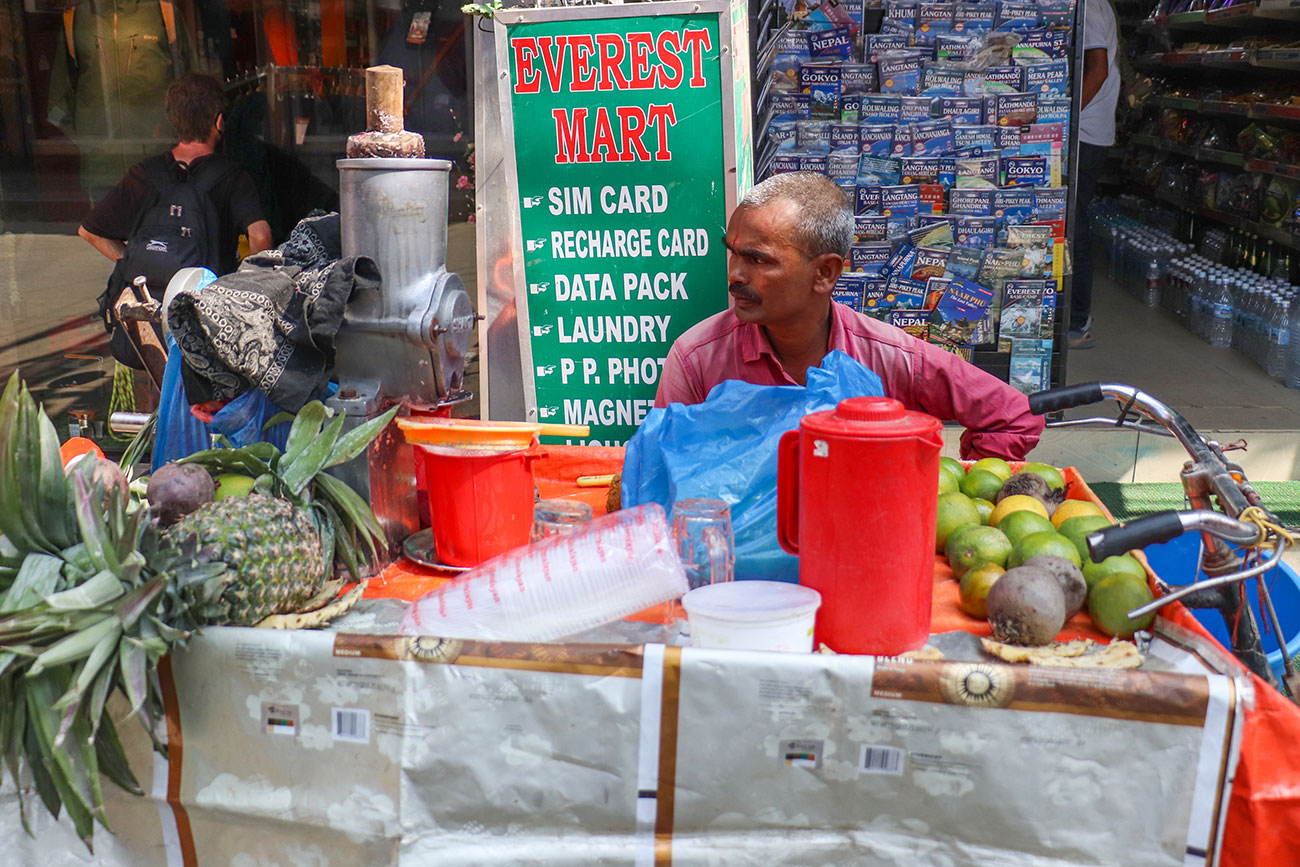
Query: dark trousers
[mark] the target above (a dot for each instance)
(1090, 159)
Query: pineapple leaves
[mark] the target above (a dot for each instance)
(15, 486)
(59, 525)
(354, 511)
(306, 428)
(38, 577)
(354, 442)
(303, 465)
(112, 758)
(136, 448)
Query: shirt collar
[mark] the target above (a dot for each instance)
(754, 343)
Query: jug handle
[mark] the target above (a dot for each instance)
(787, 492)
(720, 559)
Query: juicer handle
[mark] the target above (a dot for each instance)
(787, 492)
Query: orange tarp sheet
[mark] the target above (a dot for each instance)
(1263, 826)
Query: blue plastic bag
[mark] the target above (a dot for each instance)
(178, 433)
(726, 448)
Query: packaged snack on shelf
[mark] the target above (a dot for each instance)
(1031, 364)
(1279, 203)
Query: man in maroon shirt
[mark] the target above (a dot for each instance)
(786, 244)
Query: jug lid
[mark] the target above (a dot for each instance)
(871, 417)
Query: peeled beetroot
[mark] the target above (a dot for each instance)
(175, 490)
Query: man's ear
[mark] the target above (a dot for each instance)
(827, 269)
(220, 122)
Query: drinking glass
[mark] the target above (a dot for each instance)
(557, 517)
(702, 531)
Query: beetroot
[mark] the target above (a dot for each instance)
(175, 490)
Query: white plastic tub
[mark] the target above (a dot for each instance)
(753, 615)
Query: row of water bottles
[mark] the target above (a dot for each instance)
(1227, 307)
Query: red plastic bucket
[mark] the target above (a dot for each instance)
(480, 502)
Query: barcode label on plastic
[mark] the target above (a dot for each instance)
(352, 724)
(878, 759)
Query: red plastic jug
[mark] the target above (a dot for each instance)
(857, 488)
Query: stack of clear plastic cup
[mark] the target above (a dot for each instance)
(612, 567)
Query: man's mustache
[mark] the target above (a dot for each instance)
(743, 292)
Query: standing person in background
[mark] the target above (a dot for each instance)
(1096, 133)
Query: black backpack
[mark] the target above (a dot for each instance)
(179, 229)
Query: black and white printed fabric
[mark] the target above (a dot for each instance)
(271, 324)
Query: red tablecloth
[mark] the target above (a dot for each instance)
(1263, 826)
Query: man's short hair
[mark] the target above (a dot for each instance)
(192, 105)
(824, 223)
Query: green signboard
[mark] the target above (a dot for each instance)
(622, 138)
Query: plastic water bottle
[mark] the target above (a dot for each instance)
(1292, 379)
(1152, 296)
(1219, 313)
(1279, 340)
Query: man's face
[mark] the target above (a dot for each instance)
(771, 280)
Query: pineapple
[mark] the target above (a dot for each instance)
(93, 594)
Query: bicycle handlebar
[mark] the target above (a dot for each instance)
(1065, 397)
(1163, 526)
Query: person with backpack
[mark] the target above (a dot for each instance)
(186, 207)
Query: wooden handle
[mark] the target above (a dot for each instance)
(384, 99)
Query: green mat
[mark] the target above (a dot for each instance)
(1129, 501)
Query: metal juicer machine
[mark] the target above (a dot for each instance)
(404, 343)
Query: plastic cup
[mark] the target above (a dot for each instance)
(705, 544)
(557, 517)
(607, 569)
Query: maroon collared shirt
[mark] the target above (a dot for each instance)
(924, 377)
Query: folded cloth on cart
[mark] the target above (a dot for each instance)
(725, 448)
(271, 324)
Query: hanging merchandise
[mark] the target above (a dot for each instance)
(953, 115)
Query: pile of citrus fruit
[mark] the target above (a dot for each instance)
(991, 519)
